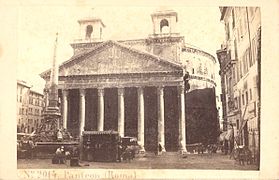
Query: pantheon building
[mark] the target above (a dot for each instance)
(136, 87)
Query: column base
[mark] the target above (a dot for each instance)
(183, 151)
(161, 148)
(141, 149)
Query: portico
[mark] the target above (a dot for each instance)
(94, 89)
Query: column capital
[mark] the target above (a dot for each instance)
(101, 91)
(65, 92)
(160, 90)
(82, 92)
(121, 91)
(181, 89)
(140, 89)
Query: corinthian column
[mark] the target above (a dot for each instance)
(161, 119)
(182, 131)
(121, 111)
(65, 107)
(81, 111)
(141, 119)
(100, 110)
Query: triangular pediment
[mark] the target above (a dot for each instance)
(114, 58)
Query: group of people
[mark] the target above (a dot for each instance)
(26, 146)
(61, 156)
(125, 153)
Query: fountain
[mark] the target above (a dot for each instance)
(49, 136)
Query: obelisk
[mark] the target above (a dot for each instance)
(52, 113)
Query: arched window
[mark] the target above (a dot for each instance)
(164, 26)
(89, 30)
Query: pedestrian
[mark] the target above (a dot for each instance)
(59, 155)
(119, 152)
(74, 157)
(32, 146)
(59, 136)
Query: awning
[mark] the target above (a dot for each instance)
(242, 125)
(243, 121)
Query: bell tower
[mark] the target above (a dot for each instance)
(165, 40)
(164, 23)
(91, 29)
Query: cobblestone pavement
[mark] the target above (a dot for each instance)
(169, 160)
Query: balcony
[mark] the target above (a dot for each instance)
(225, 59)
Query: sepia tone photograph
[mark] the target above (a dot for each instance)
(104, 89)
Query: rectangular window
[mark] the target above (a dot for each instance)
(246, 97)
(245, 61)
(251, 94)
(233, 17)
(240, 68)
(255, 50)
(245, 24)
(228, 31)
(233, 74)
(244, 64)
(235, 49)
(250, 57)
(238, 35)
(239, 101)
(230, 86)
(236, 103)
(237, 71)
(243, 100)
(240, 27)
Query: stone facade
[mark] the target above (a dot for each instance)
(133, 86)
(30, 106)
(239, 59)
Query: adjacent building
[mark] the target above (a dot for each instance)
(30, 106)
(240, 60)
(137, 86)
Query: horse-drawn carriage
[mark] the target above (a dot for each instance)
(107, 146)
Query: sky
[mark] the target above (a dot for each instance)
(37, 26)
